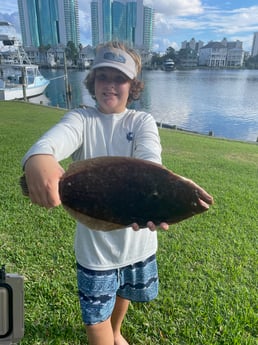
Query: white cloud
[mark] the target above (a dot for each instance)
(85, 21)
(85, 27)
(84, 5)
(176, 21)
(161, 45)
(209, 24)
(176, 7)
(8, 7)
(233, 21)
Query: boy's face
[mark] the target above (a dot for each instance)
(111, 90)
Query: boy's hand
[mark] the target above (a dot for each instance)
(163, 226)
(42, 176)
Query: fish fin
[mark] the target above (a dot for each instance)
(93, 223)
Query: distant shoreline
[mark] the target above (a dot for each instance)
(210, 133)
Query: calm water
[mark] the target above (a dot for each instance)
(225, 102)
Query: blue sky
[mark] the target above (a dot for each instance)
(179, 20)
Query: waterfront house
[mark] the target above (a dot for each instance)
(213, 54)
(221, 54)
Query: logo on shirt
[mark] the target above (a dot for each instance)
(130, 136)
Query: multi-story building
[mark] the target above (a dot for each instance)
(213, 54)
(189, 53)
(49, 22)
(148, 28)
(255, 45)
(192, 44)
(124, 20)
(222, 54)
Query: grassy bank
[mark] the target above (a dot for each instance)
(208, 264)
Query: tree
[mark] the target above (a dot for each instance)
(156, 60)
(170, 53)
(71, 52)
(252, 62)
(43, 52)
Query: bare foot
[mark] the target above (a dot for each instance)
(120, 340)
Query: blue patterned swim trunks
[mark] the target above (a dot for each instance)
(98, 289)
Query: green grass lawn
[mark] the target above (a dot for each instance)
(207, 264)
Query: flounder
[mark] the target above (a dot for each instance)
(107, 193)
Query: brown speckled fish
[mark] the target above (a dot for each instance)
(108, 193)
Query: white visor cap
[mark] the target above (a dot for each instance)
(115, 58)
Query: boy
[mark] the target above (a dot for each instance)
(118, 266)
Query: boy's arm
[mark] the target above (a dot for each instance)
(42, 176)
(40, 163)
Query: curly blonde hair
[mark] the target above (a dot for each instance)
(136, 87)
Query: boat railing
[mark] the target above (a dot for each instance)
(11, 85)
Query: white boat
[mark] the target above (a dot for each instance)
(19, 79)
(21, 82)
(168, 65)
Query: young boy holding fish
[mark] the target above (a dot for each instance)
(116, 267)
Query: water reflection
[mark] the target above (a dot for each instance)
(224, 102)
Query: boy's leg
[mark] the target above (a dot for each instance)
(109, 331)
(117, 318)
(100, 334)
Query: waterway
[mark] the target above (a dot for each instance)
(224, 102)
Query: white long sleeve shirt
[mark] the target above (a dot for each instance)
(86, 133)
